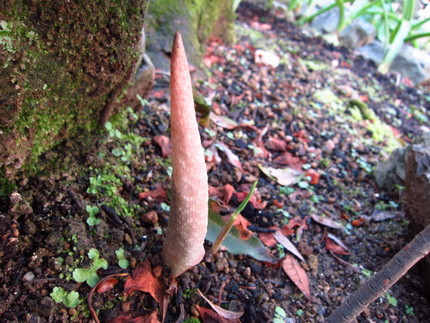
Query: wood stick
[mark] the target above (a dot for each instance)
(390, 273)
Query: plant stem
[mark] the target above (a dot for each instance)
(226, 229)
(390, 273)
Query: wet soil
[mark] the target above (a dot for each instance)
(300, 114)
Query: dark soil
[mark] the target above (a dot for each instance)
(45, 235)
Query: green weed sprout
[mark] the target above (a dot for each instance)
(69, 299)
(92, 211)
(89, 275)
(122, 261)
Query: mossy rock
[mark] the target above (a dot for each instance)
(196, 20)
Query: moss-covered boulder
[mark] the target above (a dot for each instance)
(63, 64)
(196, 20)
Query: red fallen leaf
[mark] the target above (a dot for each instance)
(142, 279)
(164, 143)
(276, 144)
(299, 222)
(107, 285)
(279, 204)
(241, 225)
(210, 316)
(158, 193)
(358, 222)
(223, 193)
(158, 94)
(314, 175)
(297, 274)
(260, 26)
(256, 203)
(149, 318)
(301, 135)
(345, 64)
(289, 160)
(268, 237)
(223, 313)
(258, 142)
(332, 246)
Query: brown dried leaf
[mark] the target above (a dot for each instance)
(165, 144)
(158, 193)
(284, 176)
(210, 316)
(283, 240)
(232, 158)
(106, 285)
(297, 274)
(326, 221)
(149, 318)
(142, 279)
(229, 315)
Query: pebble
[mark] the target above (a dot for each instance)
(28, 277)
(127, 239)
(150, 217)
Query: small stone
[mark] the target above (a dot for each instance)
(72, 311)
(128, 239)
(150, 217)
(250, 178)
(126, 306)
(247, 272)
(28, 277)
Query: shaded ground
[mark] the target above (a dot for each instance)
(302, 114)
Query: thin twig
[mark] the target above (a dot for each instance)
(390, 273)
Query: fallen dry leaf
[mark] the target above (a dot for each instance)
(106, 285)
(223, 193)
(142, 279)
(149, 318)
(288, 159)
(159, 194)
(224, 122)
(314, 175)
(326, 221)
(164, 143)
(256, 203)
(230, 315)
(297, 275)
(276, 144)
(210, 316)
(284, 176)
(333, 245)
(283, 240)
(232, 158)
(241, 224)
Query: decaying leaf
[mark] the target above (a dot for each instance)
(210, 316)
(233, 243)
(232, 158)
(241, 224)
(336, 245)
(164, 143)
(283, 240)
(230, 315)
(297, 274)
(158, 193)
(314, 176)
(283, 176)
(288, 159)
(224, 122)
(106, 285)
(326, 221)
(142, 279)
(149, 318)
(223, 193)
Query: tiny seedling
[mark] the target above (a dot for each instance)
(122, 261)
(391, 299)
(280, 315)
(69, 299)
(89, 275)
(92, 211)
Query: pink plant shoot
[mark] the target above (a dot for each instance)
(186, 231)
